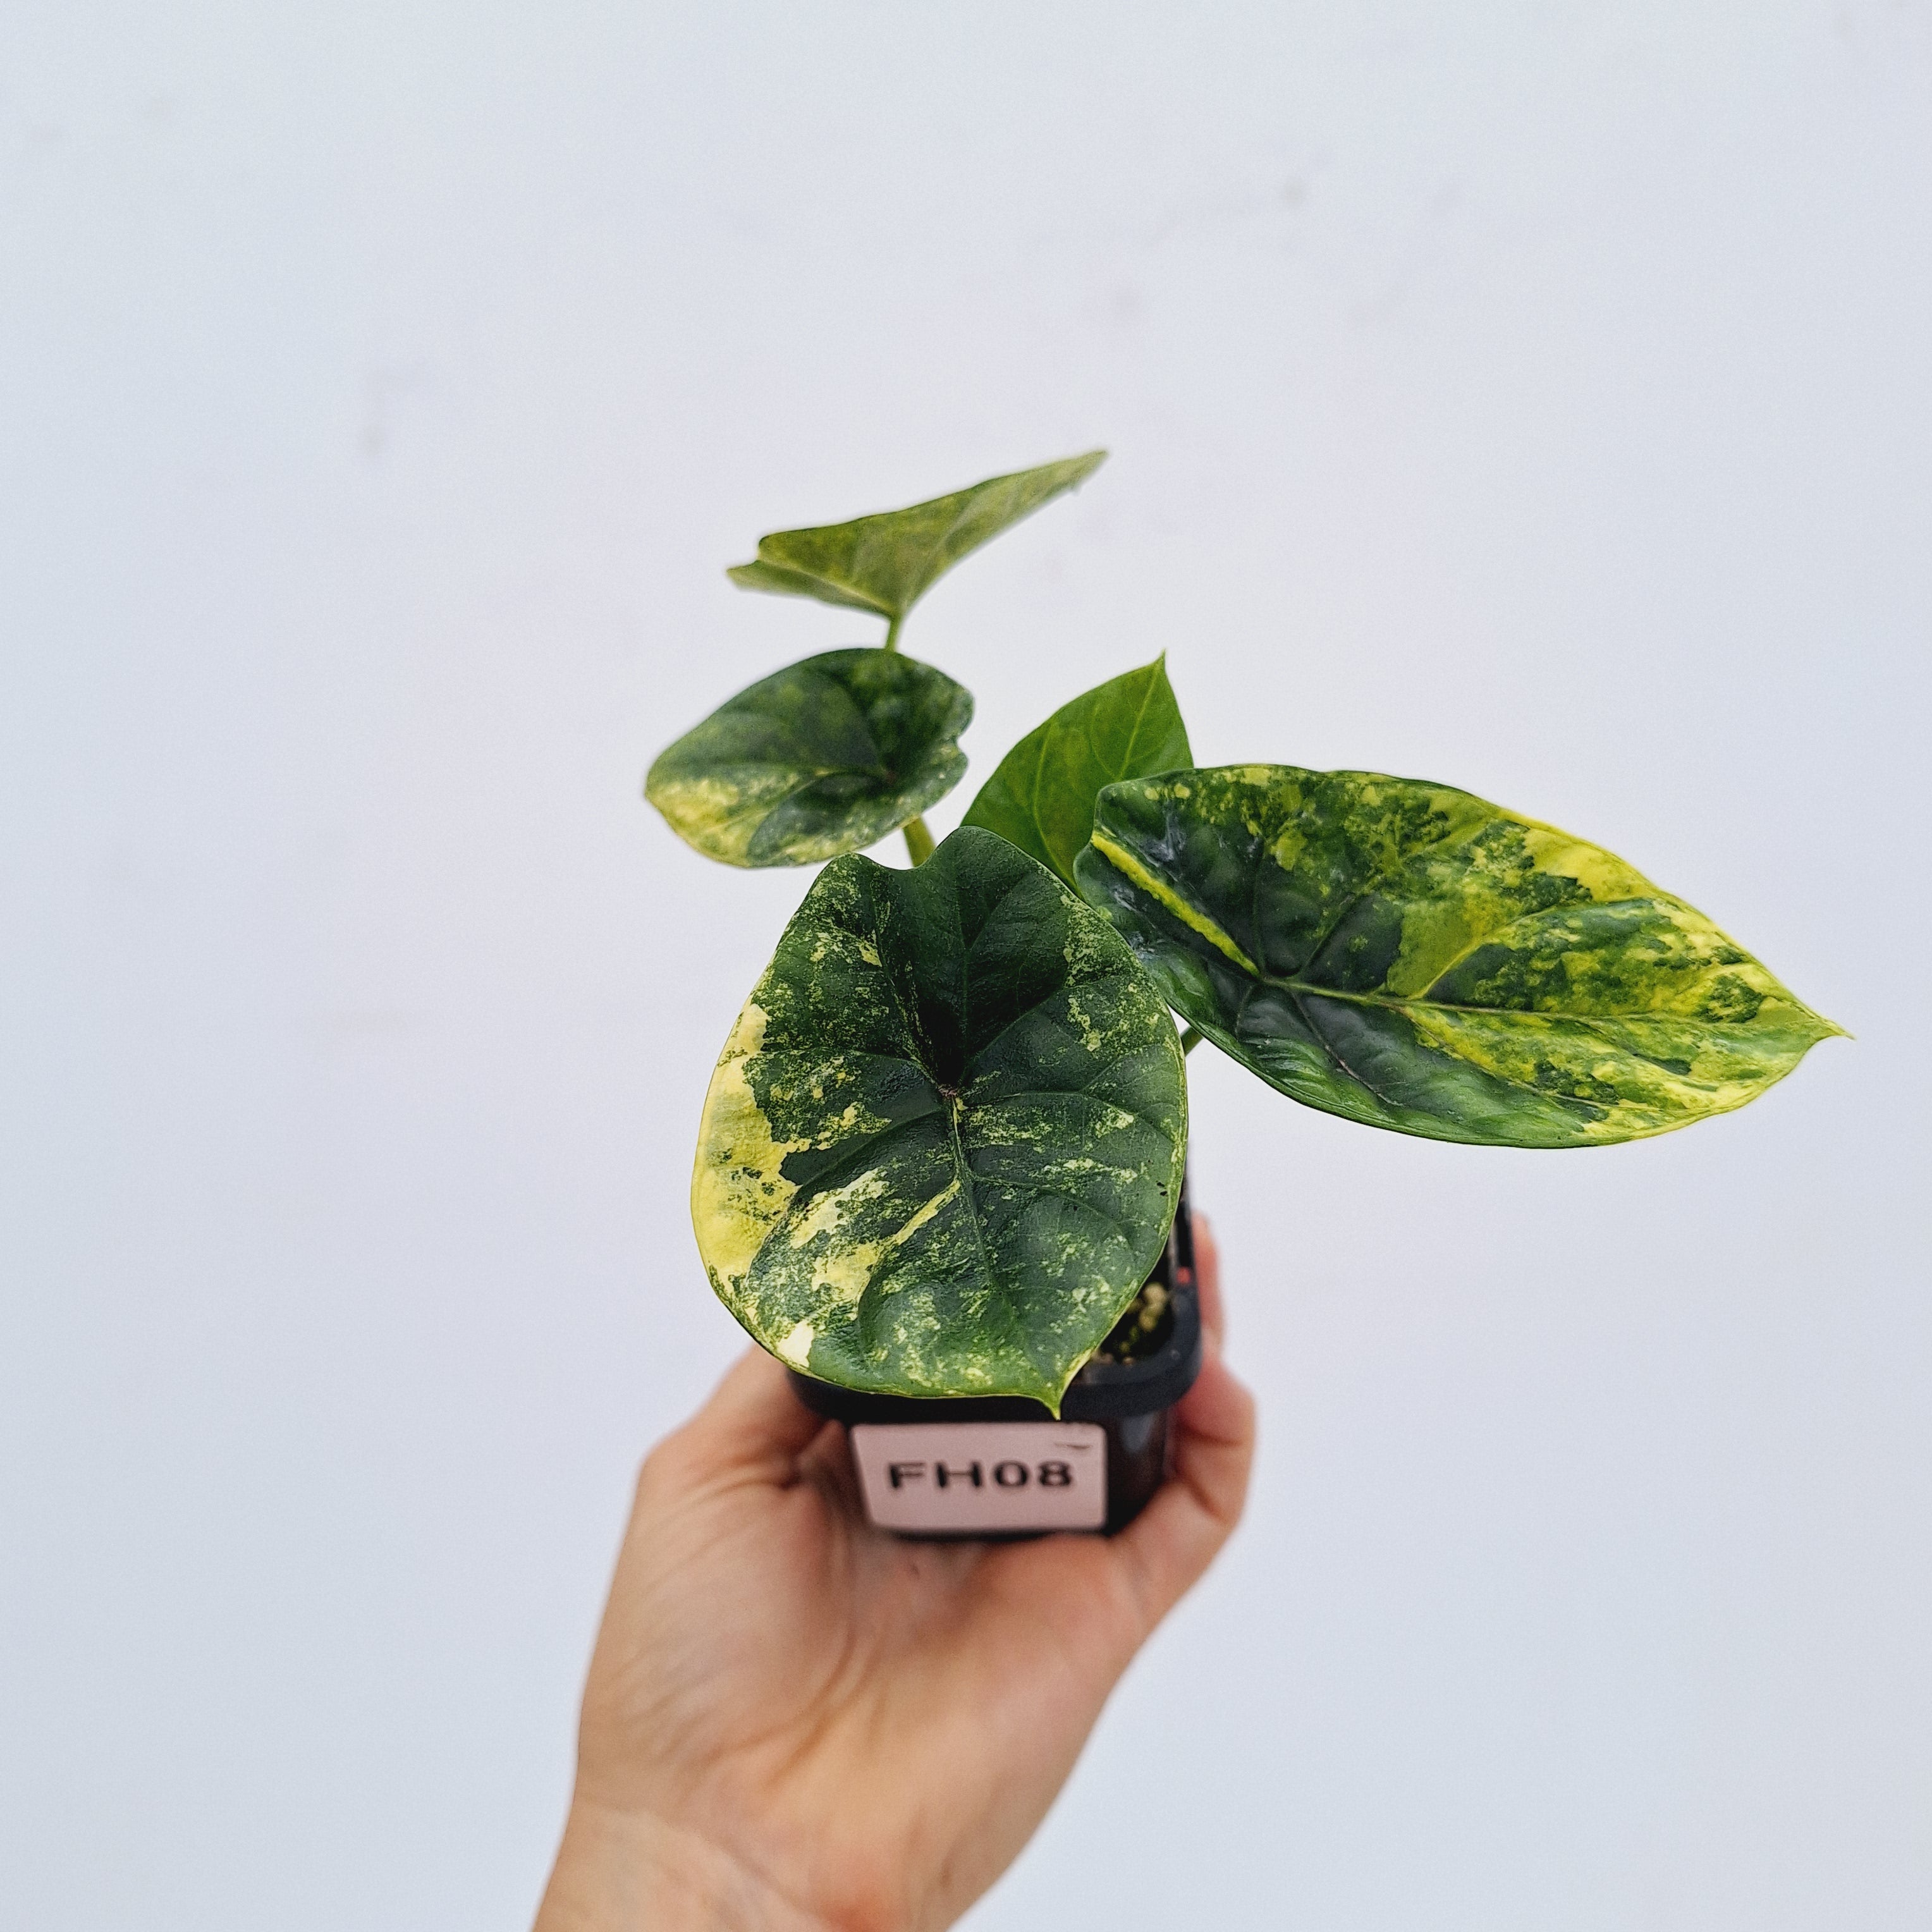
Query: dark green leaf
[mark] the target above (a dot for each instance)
(1409, 956)
(823, 757)
(887, 563)
(1042, 797)
(942, 1147)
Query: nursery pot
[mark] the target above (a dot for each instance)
(1000, 1466)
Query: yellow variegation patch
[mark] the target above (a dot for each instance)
(739, 1189)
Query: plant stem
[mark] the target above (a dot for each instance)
(1190, 1040)
(893, 632)
(919, 841)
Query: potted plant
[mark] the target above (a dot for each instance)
(940, 1169)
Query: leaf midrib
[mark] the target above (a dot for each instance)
(1298, 989)
(1217, 936)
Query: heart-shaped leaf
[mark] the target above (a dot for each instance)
(887, 563)
(944, 1144)
(1410, 956)
(824, 757)
(1042, 797)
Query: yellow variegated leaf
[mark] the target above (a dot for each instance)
(942, 1147)
(824, 757)
(887, 563)
(1412, 957)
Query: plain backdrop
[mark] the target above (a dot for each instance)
(1531, 397)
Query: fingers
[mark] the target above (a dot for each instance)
(1166, 1548)
(753, 1422)
(1207, 1281)
(827, 1462)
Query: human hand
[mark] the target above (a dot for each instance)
(795, 1723)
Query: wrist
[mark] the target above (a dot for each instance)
(623, 1872)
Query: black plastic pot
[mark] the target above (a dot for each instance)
(994, 1467)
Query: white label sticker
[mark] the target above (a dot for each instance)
(965, 1477)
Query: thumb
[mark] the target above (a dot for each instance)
(753, 1425)
(1167, 1546)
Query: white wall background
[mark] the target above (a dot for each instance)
(1532, 397)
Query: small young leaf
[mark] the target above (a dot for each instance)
(944, 1144)
(1411, 957)
(825, 757)
(1042, 797)
(887, 563)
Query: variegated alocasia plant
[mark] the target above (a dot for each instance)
(943, 1145)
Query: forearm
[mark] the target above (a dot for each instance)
(616, 1872)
